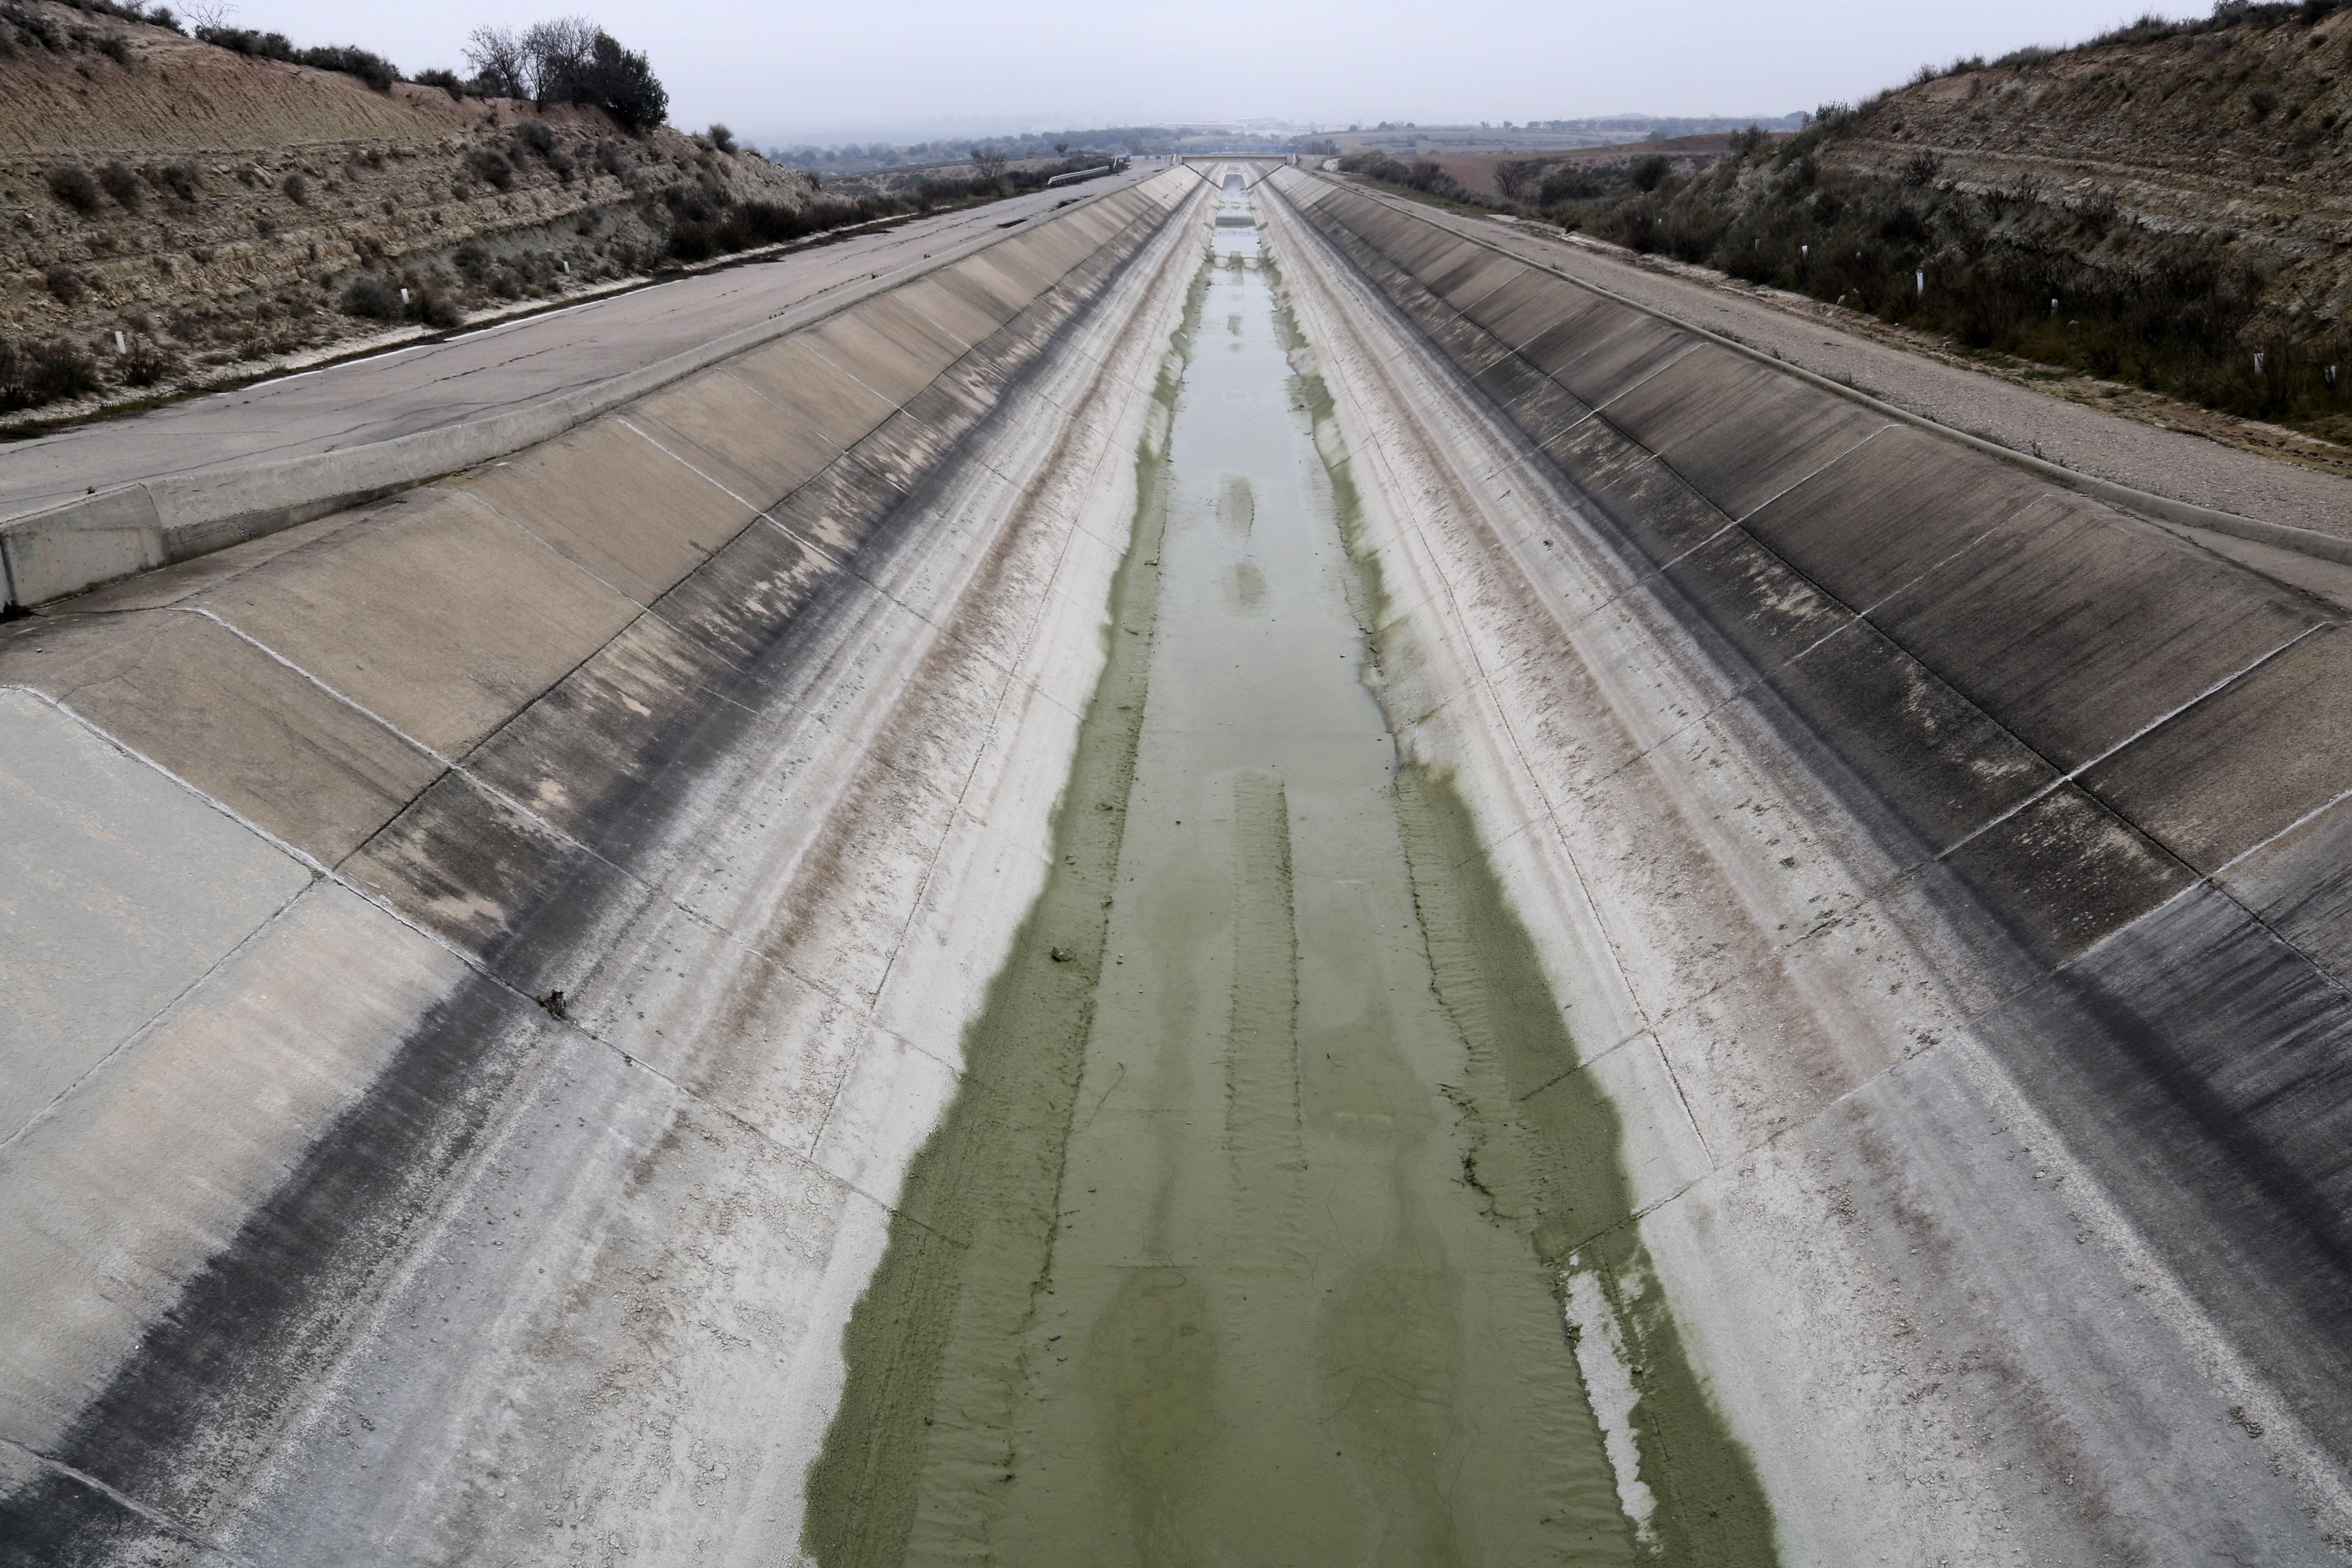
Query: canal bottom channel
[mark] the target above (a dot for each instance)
(1272, 1223)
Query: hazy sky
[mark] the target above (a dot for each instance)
(831, 69)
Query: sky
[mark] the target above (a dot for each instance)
(832, 71)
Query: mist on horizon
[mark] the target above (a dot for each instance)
(913, 70)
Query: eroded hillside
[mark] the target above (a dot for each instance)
(2243, 132)
(224, 212)
(2166, 208)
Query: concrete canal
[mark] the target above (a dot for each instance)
(1273, 1222)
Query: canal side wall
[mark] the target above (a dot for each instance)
(128, 529)
(2083, 785)
(478, 962)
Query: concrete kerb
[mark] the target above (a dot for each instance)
(128, 528)
(2164, 509)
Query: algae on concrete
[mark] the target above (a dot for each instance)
(1249, 1237)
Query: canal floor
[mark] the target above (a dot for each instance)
(1251, 1266)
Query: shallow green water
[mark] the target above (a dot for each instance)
(1246, 1242)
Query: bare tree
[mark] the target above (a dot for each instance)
(568, 60)
(990, 162)
(558, 55)
(496, 58)
(1516, 178)
(207, 13)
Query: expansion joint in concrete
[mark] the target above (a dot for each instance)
(177, 1529)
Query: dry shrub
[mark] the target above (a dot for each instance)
(120, 183)
(492, 167)
(35, 374)
(72, 184)
(371, 296)
(183, 180)
(146, 363)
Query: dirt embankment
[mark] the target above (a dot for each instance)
(224, 213)
(2243, 133)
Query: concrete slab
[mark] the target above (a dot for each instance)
(1885, 514)
(1935, 761)
(2209, 1064)
(1760, 609)
(1531, 400)
(868, 351)
(812, 389)
(2078, 628)
(1649, 506)
(1470, 282)
(2300, 885)
(119, 890)
(227, 1093)
(496, 882)
(836, 510)
(1740, 432)
(725, 428)
(436, 615)
(1599, 353)
(642, 713)
(1527, 304)
(2243, 764)
(746, 598)
(237, 725)
(610, 498)
(945, 313)
(2065, 873)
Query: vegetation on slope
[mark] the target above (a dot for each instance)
(176, 210)
(2161, 207)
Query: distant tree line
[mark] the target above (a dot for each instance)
(853, 158)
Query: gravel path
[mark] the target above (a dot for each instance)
(2167, 462)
